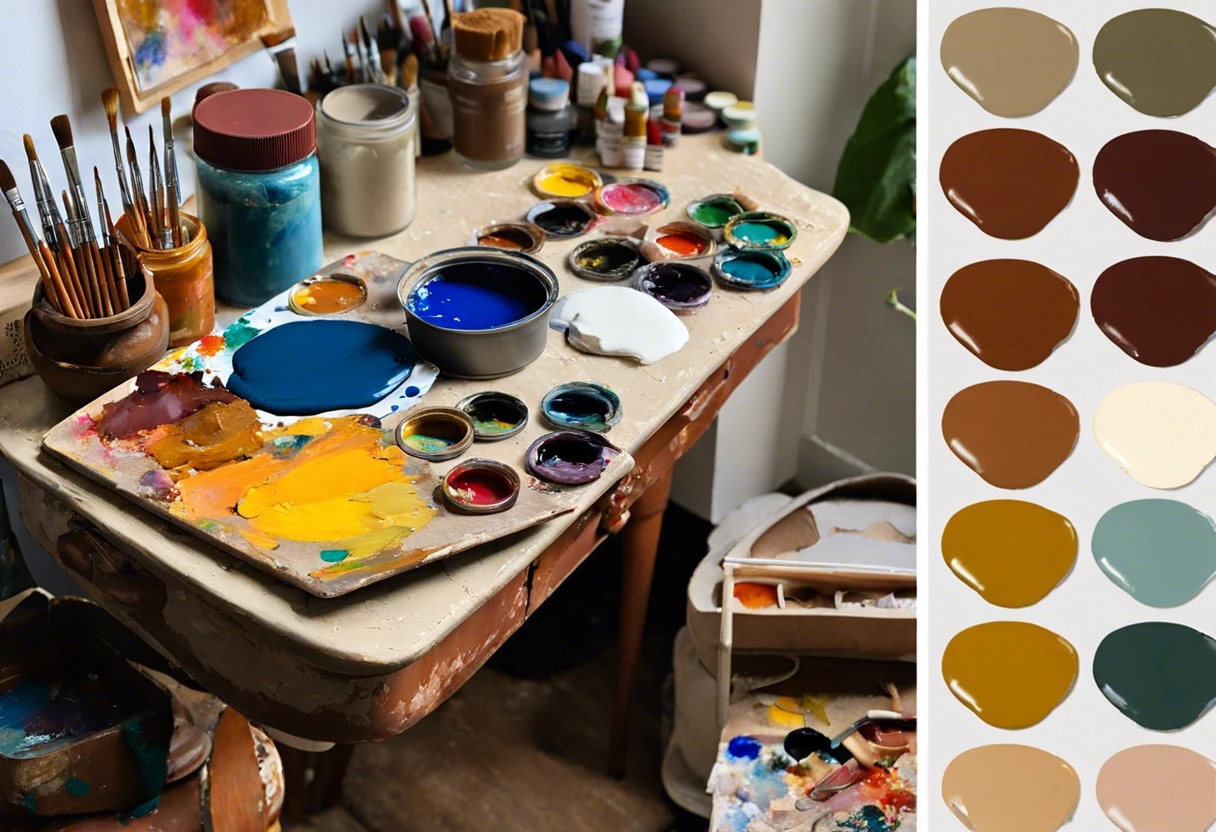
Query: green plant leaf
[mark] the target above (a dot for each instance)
(876, 178)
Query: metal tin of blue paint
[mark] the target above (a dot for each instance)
(752, 270)
(582, 405)
(760, 230)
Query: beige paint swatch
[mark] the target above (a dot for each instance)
(1182, 797)
(1012, 788)
(1013, 62)
(1162, 434)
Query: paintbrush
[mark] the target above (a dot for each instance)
(349, 49)
(424, 40)
(173, 187)
(52, 284)
(109, 100)
(137, 188)
(373, 53)
(48, 212)
(360, 54)
(119, 269)
(430, 21)
(84, 264)
(86, 239)
(281, 46)
(156, 193)
(107, 245)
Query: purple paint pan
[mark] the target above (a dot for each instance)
(681, 287)
(570, 457)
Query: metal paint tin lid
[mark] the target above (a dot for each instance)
(254, 129)
(481, 486)
(714, 211)
(510, 236)
(306, 297)
(562, 218)
(681, 287)
(435, 433)
(606, 259)
(632, 197)
(582, 405)
(570, 457)
(751, 270)
(549, 94)
(761, 230)
(719, 100)
(495, 415)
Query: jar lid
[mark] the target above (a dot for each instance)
(548, 93)
(254, 130)
(367, 105)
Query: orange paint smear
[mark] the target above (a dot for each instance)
(685, 245)
(210, 345)
(219, 433)
(756, 596)
(326, 297)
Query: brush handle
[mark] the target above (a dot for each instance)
(71, 266)
(109, 292)
(27, 234)
(52, 271)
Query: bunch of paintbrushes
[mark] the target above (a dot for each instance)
(154, 217)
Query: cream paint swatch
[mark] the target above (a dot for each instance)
(1182, 796)
(1013, 62)
(1162, 434)
(1011, 788)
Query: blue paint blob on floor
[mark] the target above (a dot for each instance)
(77, 787)
(744, 748)
(478, 296)
(308, 367)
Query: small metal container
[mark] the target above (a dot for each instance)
(606, 259)
(495, 415)
(778, 233)
(523, 237)
(562, 218)
(681, 287)
(570, 457)
(498, 491)
(435, 433)
(582, 405)
(299, 303)
(480, 353)
(751, 269)
(714, 211)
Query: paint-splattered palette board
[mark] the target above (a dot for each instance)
(328, 503)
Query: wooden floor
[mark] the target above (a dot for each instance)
(522, 746)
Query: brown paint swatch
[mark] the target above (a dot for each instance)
(1011, 552)
(1009, 673)
(1159, 310)
(1013, 62)
(1012, 433)
(1161, 62)
(1009, 182)
(1182, 797)
(1160, 183)
(1011, 788)
(1011, 314)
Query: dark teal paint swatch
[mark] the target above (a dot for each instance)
(1160, 675)
(1160, 552)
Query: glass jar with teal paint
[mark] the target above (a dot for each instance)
(259, 191)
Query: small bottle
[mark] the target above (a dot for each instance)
(654, 146)
(633, 153)
(550, 118)
(673, 112)
(612, 133)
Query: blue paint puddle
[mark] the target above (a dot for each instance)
(307, 367)
(744, 748)
(478, 296)
(412, 391)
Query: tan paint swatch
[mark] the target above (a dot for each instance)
(1181, 798)
(1162, 62)
(1009, 673)
(1162, 434)
(1013, 62)
(1009, 551)
(1011, 788)
(1011, 433)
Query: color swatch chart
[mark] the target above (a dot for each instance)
(1072, 402)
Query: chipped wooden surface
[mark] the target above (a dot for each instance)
(388, 626)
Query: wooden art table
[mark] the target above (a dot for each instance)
(368, 665)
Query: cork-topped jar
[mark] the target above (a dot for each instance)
(259, 191)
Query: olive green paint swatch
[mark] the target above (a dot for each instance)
(1158, 674)
(1162, 62)
(1160, 552)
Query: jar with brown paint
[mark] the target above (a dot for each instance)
(185, 279)
(489, 100)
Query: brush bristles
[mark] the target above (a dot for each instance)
(7, 182)
(62, 128)
(165, 106)
(30, 152)
(488, 34)
(109, 100)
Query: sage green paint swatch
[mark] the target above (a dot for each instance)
(1160, 552)
(1158, 674)
(1161, 62)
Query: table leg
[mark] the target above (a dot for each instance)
(313, 780)
(639, 546)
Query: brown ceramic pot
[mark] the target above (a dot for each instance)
(80, 360)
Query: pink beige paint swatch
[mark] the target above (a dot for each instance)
(1159, 788)
(1012, 62)
(1162, 434)
(1011, 788)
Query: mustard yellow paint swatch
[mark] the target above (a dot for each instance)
(1010, 551)
(1009, 673)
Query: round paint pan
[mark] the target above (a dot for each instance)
(760, 230)
(330, 294)
(606, 259)
(510, 236)
(582, 405)
(481, 486)
(739, 114)
(697, 118)
(719, 100)
(562, 218)
(714, 211)
(751, 270)
(632, 198)
(681, 240)
(495, 415)
(570, 457)
(435, 433)
(565, 180)
(681, 287)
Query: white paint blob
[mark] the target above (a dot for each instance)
(618, 320)
(1162, 434)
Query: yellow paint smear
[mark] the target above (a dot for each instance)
(568, 181)
(221, 432)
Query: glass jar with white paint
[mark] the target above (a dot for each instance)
(366, 142)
